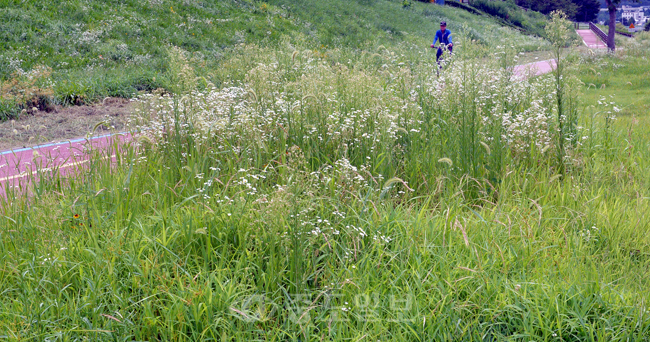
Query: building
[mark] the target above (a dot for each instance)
(638, 13)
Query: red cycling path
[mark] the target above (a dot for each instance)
(19, 166)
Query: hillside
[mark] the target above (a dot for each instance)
(75, 52)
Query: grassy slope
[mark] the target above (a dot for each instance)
(137, 252)
(99, 49)
(627, 82)
(624, 78)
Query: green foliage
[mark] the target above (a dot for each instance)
(625, 82)
(25, 91)
(622, 29)
(261, 231)
(587, 11)
(307, 193)
(9, 109)
(547, 6)
(508, 11)
(557, 32)
(497, 8)
(463, 6)
(90, 43)
(577, 10)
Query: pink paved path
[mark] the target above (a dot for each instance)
(18, 166)
(535, 69)
(591, 39)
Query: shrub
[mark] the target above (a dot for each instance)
(463, 6)
(531, 21)
(621, 28)
(496, 8)
(25, 90)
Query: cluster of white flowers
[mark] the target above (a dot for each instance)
(590, 234)
(293, 108)
(337, 105)
(350, 109)
(609, 106)
(91, 37)
(523, 108)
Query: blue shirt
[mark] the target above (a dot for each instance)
(444, 38)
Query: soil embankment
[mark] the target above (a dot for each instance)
(64, 123)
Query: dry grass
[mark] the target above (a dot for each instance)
(63, 123)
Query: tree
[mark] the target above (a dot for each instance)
(578, 10)
(569, 7)
(587, 10)
(611, 8)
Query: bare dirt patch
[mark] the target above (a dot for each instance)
(63, 123)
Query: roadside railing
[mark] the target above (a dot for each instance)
(598, 32)
(581, 26)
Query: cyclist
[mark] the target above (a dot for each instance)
(444, 36)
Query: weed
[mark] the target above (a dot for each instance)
(25, 91)
(342, 194)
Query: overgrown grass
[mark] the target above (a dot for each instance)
(342, 194)
(623, 79)
(97, 48)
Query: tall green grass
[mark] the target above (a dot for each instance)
(619, 79)
(340, 195)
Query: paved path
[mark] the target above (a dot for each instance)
(18, 167)
(591, 39)
(535, 69)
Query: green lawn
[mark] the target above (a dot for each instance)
(627, 81)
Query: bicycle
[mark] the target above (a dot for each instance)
(442, 48)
